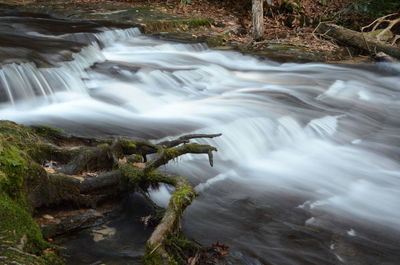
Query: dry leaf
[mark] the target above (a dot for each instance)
(221, 248)
(139, 165)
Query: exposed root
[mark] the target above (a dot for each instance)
(53, 169)
(170, 225)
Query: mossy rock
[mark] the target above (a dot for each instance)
(21, 240)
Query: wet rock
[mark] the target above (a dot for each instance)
(102, 233)
(72, 221)
(383, 57)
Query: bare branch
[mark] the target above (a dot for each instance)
(171, 153)
(378, 21)
(186, 138)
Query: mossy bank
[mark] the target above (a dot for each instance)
(21, 240)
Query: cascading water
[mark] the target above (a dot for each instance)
(24, 81)
(307, 170)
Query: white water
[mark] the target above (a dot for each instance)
(24, 81)
(309, 149)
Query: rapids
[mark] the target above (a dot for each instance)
(307, 169)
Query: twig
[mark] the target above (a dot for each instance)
(185, 139)
(379, 20)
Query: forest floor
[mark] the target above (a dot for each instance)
(289, 29)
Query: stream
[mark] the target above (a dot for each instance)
(308, 166)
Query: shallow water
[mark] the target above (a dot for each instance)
(307, 170)
(121, 240)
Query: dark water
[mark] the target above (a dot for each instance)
(121, 240)
(307, 170)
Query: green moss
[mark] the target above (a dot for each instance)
(134, 174)
(152, 256)
(18, 228)
(15, 256)
(196, 148)
(19, 174)
(176, 250)
(199, 22)
(14, 166)
(182, 197)
(42, 152)
(48, 130)
(143, 178)
(53, 190)
(172, 261)
(128, 144)
(171, 153)
(53, 259)
(25, 139)
(180, 248)
(216, 41)
(135, 158)
(8, 128)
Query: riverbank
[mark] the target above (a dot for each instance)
(194, 23)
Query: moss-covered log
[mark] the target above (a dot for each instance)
(45, 167)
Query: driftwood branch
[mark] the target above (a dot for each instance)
(186, 138)
(171, 153)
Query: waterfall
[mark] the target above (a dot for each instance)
(25, 81)
(103, 38)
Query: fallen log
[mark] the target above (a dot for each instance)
(356, 39)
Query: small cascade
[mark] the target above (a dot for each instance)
(110, 36)
(103, 38)
(87, 57)
(25, 81)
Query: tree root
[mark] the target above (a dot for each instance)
(83, 172)
(170, 225)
